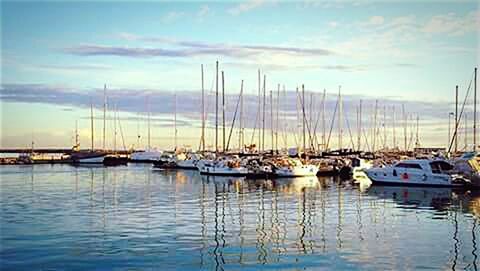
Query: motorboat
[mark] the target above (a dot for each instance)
(468, 165)
(167, 160)
(187, 161)
(417, 173)
(148, 156)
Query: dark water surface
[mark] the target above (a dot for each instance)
(132, 218)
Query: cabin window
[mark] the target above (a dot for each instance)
(408, 165)
(439, 166)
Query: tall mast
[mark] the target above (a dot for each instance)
(375, 126)
(115, 112)
(310, 125)
(277, 121)
(394, 128)
(303, 118)
(175, 119)
(203, 114)
(359, 138)
(223, 110)
(339, 119)
(323, 120)
(475, 111)
(456, 118)
(91, 123)
(77, 142)
(271, 120)
(404, 128)
(241, 137)
(263, 119)
(148, 121)
(138, 133)
(417, 142)
(465, 130)
(284, 120)
(259, 109)
(384, 127)
(104, 113)
(216, 108)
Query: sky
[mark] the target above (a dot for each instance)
(57, 56)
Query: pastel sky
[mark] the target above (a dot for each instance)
(56, 57)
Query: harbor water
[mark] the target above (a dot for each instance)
(60, 217)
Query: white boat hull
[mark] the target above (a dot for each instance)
(93, 160)
(296, 171)
(386, 176)
(223, 171)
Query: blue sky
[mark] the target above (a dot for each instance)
(410, 51)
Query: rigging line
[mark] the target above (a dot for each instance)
(234, 117)
(316, 123)
(121, 130)
(207, 106)
(460, 117)
(348, 126)
(331, 125)
(306, 123)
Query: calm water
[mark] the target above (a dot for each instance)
(95, 218)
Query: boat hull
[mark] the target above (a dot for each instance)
(223, 171)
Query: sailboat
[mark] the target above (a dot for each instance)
(91, 156)
(149, 155)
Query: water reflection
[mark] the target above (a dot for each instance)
(136, 218)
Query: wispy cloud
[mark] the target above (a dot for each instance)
(172, 16)
(189, 49)
(246, 6)
(188, 102)
(452, 24)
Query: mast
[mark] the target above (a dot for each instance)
(271, 120)
(310, 125)
(259, 109)
(241, 132)
(148, 121)
(138, 132)
(475, 111)
(216, 108)
(465, 130)
(91, 123)
(104, 113)
(277, 121)
(175, 118)
(394, 128)
(203, 113)
(359, 139)
(223, 110)
(375, 126)
(77, 141)
(115, 112)
(303, 118)
(339, 119)
(323, 120)
(384, 127)
(456, 118)
(263, 119)
(417, 142)
(404, 128)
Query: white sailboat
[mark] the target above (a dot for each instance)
(149, 155)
